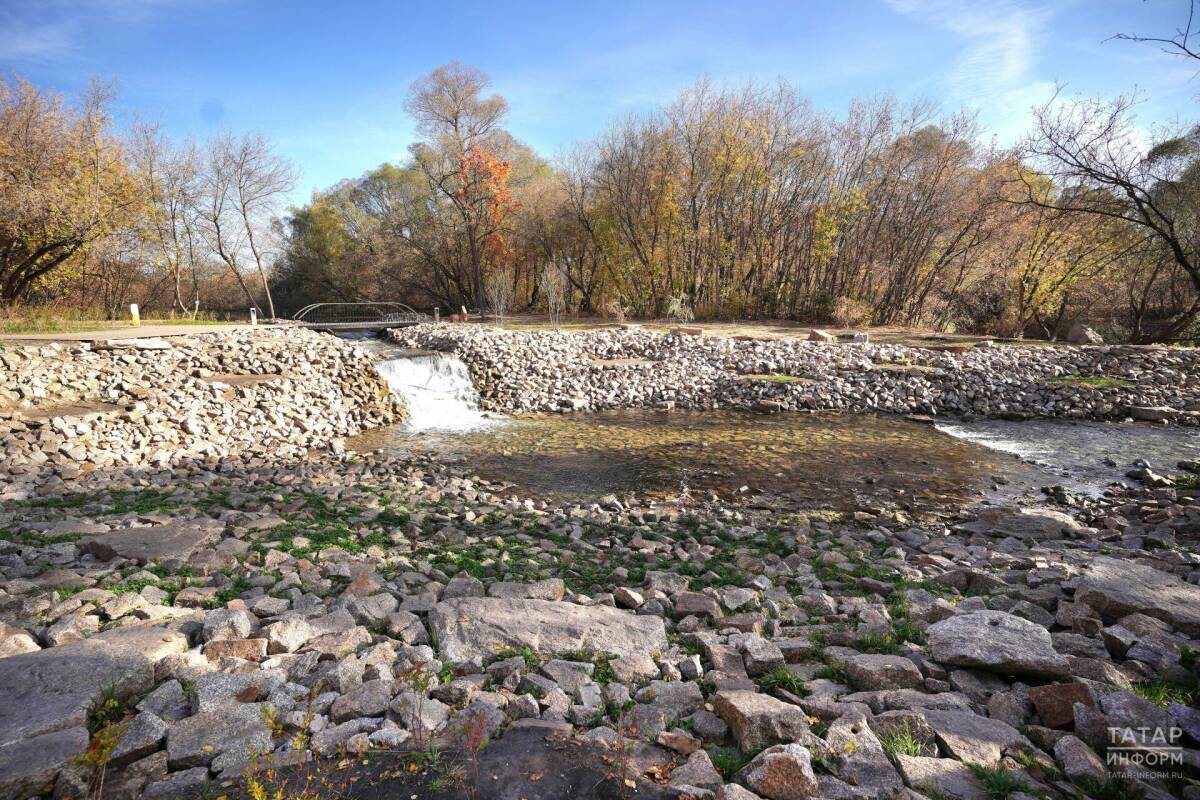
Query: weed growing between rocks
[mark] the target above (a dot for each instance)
(998, 783)
(902, 741)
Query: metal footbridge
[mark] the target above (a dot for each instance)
(357, 316)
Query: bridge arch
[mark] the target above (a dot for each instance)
(358, 315)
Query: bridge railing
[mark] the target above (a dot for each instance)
(349, 315)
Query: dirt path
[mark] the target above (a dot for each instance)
(141, 332)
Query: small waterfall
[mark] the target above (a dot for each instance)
(437, 390)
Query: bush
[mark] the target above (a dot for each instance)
(679, 309)
(850, 312)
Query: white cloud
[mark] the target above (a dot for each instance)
(26, 36)
(995, 72)
(45, 30)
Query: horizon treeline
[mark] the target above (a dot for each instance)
(728, 202)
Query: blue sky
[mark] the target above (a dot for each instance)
(326, 81)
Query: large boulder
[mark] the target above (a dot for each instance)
(997, 642)
(29, 767)
(224, 738)
(1034, 523)
(1082, 334)
(45, 697)
(782, 772)
(974, 739)
(173, 543)
(942, 777)
(873, 671)
(1116, 588)
(469, 629)
(758, 720)
(53, 689)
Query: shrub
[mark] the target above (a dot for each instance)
(850, 312)
(679, 309)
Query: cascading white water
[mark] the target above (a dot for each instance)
(437, 390)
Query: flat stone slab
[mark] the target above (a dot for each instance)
(1115, 587)
(68, 411)
(997, 642)
(225, 737)
(950, 778)
(175, 542)
(28, 768)
(621, 362)
(1022, 523)
(52, 689)
(142, 343)
(468, 629)
(239, 379)
(973, 739)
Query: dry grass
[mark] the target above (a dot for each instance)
(766, 329)
(16, 320)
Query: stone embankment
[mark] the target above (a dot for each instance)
(615, 368)
(67, 410)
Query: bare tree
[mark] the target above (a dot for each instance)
(1182, 43)
(500, 291)
(261, 180)
(448, 104)
(242, 185)
(552, 284)
(1090, 151)
(168, 176)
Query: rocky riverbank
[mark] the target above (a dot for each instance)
(344, 605)
(70, 410)
(173, 624)
(631, 368)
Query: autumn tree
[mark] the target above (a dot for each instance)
(460, 159)
(168, 178)
(1090, 151)
(64, 184)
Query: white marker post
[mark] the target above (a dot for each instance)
(254, 316)
(134, 315)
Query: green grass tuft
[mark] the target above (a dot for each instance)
(729, 760)
(997, 782)
(902, 742)
(1162, 691)
(782, 678)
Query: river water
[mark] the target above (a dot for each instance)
(815, 460)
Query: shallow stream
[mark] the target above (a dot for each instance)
(813, 460)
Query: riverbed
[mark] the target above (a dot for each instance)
(840, 461)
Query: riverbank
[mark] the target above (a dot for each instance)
(384, 604)
(630, 368)
(189, 620)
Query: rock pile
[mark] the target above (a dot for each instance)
(66, 410)
(627, 368)
(183, 607)
(387, 604)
